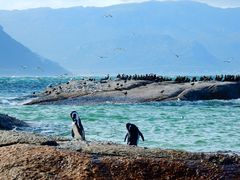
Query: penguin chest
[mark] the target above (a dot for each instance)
(76, 132)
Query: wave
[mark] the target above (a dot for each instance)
(7, 101)
(14, 101)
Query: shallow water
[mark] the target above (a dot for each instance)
(193, 126)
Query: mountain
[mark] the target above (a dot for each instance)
(17, 60)
(161, 37)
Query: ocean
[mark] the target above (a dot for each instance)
(201, 126)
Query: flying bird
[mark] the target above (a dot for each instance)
(175, 54)
(24, 67)
(39, 68)
(103, 57)
(108, 16)
(228, 60)
(119, 49)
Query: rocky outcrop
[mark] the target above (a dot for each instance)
(9, 123)
(223, 91)
(135, 91)
(97, 160)
(13, 137)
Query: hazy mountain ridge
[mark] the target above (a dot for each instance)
(161, 37)
(18, 60)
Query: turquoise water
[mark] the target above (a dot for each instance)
(193, 126)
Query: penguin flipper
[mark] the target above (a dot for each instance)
(141, 135)
(83, 135)
(72, 134)
(125, 137)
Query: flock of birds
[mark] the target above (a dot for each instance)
(179, 79)
(178, 56)
(38, 68)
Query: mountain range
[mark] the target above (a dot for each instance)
(18, 60)
(151, 37)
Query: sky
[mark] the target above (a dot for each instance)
(26, 4)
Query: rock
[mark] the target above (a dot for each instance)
(138, 91)
(9, 123)
(223, 90)
(26, 158)
(15, 137)
(44, 162)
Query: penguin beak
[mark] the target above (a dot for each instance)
(74, 120)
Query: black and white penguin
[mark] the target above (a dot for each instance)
(133, 134)
(77, 129)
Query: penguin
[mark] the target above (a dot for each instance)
(77, 129)
(133, 134)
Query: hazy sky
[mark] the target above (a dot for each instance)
(25, 4)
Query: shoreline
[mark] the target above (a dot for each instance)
(28, 155)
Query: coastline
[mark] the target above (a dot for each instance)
(42, 157)
(27, 155)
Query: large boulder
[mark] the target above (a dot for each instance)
(204, 91)
(9, 123)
